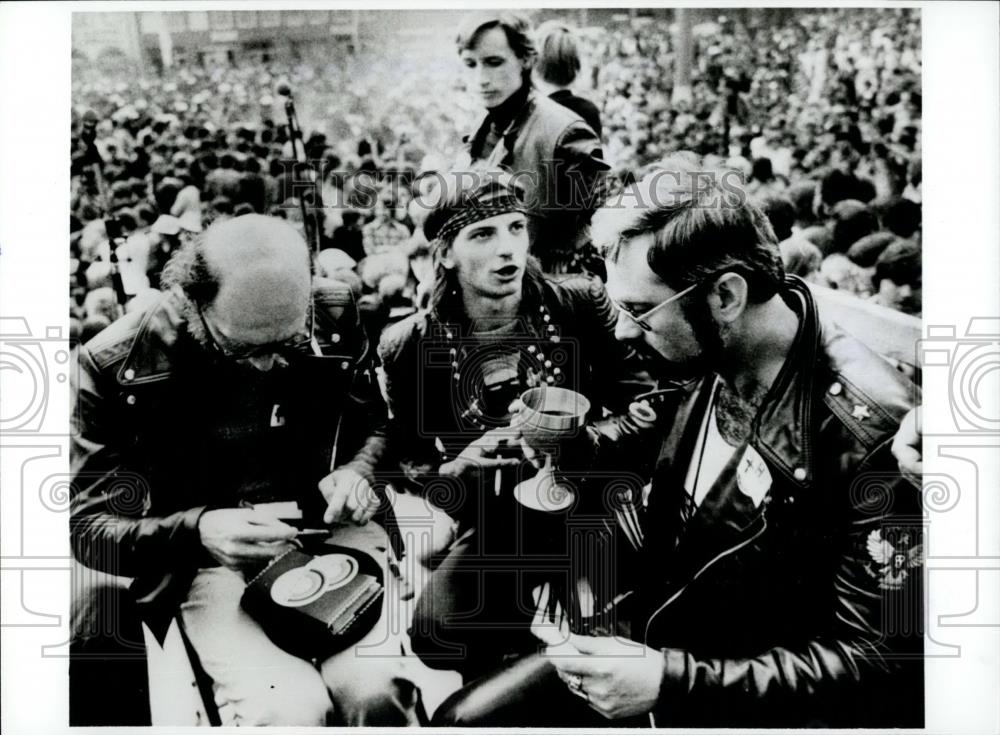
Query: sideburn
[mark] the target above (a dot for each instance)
(707, 332)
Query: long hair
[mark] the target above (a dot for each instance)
(458, 193)
(446, 304)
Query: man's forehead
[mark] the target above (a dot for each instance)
(492, 41)
(629, 275)
(261, 298)
(497, 220)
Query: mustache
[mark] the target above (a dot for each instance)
(663, 370)
(661, 367)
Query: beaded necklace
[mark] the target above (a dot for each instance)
(536, 359)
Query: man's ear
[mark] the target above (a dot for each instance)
(728, 298)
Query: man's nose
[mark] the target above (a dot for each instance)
(626, 329)
(506, 244)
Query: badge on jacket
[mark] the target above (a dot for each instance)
(894, 560)
(277, 416)
(752, 476)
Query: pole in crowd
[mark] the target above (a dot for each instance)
(112, 225)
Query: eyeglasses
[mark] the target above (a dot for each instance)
(292, 344)
(641, 319)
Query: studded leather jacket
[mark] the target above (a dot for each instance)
(570, 329)
(792, 595)
(163, 431)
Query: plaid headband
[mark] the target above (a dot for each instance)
(477, 211)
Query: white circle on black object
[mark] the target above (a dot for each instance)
(297, 587)
(336, 569)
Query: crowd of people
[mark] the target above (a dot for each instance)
(819, 111)
(534, 311)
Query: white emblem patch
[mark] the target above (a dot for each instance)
(894, 562)
(861, 412)
(752, 476)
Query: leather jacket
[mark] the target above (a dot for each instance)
(156, 443)
(796, 602)
(426, 415)
(789, 603)
(557, 159)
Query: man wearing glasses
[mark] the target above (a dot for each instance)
(782, 579)
(250, 382)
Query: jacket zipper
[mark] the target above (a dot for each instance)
(678, 593)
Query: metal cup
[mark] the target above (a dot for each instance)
(551, 414)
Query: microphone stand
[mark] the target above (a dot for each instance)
(388, 517)
(112, 225)
(299, 153)
(313, 232)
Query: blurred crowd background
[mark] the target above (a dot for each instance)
(818, 109)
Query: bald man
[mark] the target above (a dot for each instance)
(243, 385)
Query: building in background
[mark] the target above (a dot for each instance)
(161, 39)
(106, 36)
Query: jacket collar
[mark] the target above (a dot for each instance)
(782, 430)
(148, 359)
(508, 117)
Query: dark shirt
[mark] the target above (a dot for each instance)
(245, 418)
(581, 106)
(499, 119)
(502, 115)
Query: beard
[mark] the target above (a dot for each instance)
(708, 335)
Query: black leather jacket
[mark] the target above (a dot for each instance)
(804, 609)
(154, 443)
(425, 407)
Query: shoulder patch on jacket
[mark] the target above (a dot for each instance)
(114, 342)
(859, 413)
(863, 391)
(869, 403)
